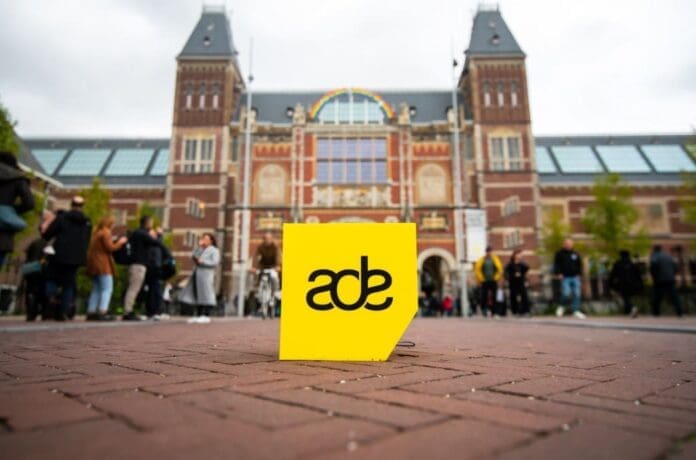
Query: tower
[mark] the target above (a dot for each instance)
(494, 84)
(207, 91)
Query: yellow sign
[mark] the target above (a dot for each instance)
(349, 290)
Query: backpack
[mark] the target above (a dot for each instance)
(168, 268)
(124, 255)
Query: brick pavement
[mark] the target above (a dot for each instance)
(468, 389)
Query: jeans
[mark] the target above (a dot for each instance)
(61, 277)
(488, 291)
(570, 291)
(153, 301)
(102, 287)
(519, 300)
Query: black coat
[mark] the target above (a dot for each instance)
(140, 243)
(72, 231)
(13, 186)
(516, 273)
(625, 277)
(663, 269)
(567, 263)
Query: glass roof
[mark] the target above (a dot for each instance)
(668, 158)
(576, 159)
(622, 159)
(544, 162)
(84, 162)
(129, 162)
(49, 159)
(159, 167)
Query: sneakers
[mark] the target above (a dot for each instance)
(580, 315)
(199, 320)
(131, 316)
(560, 311)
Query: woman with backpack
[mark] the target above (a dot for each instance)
(100, 266)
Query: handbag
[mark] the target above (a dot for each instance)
(10, 220)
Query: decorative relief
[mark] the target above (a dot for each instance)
(432, 184)
(391, 220)
(271, 185)
(269, 222)
(351, 197)
(431, 149)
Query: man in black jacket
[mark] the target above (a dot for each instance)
(664, 274)
(70, 232)
(140, 243)
(13, 184)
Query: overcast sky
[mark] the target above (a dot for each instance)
(107, 67)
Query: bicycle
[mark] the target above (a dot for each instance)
(264, 295)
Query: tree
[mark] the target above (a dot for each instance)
(611, 219)
(554, 230)
(687, 200)
(8, 138)
(96, 201)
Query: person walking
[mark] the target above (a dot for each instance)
(100, 267)
(516, 276)
(625, 279)
(15, 196)
(567, 266)
(488, 270)
(200, 289)
(140, 243)
(663, 270)
(70, 232)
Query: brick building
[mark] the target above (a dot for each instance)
(360, 155)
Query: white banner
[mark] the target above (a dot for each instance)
(476, 240)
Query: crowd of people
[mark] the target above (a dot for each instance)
(67, 243)
(499, 288)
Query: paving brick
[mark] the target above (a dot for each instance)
(674, 403)
(412, 374)
(471, 409)
(446, 440)
(543, 386)
(359, 408)
(463, 384)
(629, 388)
(593, 441)
(685, 452)
(188, 387)
(682, 391)
(28, 410)
(268, 414)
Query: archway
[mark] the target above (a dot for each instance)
(435, 276)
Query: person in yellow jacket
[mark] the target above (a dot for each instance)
(488, 270)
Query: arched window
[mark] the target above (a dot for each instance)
(188, 94)
(432, 184)
(501, 95)
(271, 183)
(201, 97)
(513, 93)
(351, 106)
(486, 94)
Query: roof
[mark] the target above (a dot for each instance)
(490, 36)
(117, 162)
(638, 158)
(430, 105)
(211, 38)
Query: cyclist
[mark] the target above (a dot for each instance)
(267, 258)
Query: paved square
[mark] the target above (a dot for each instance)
(468, 389)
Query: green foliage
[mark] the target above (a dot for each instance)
(611, 218)
(553, 231)
(32, 218)
(96, 202)
(8, 139)
(687, 200)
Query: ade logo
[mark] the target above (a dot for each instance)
(363, 276)
(349, 290)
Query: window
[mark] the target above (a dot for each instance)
(352, 108)
(511, 206)
(576, 159)
(486, 94)
(651, 217)
(201, 97)
(188, 91)
(85, 162)
(216, 96)
(351, 161)
(129, 162)
(544, 163)
(191, 239)
(159, 167)
(505, 154)
(622, 158)
(513, 94)
(120, 217)
(669, 158)
(49, 159)
(512, 239)
(501, 95)
(195, 208)
(198, 156)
